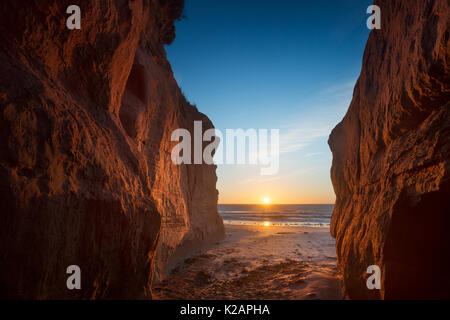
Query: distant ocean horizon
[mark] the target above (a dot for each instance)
(294, 215)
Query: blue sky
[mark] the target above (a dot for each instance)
(283, 64)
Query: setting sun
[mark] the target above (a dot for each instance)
(266, 200)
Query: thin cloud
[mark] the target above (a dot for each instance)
(339, 89)
(291, 174)
(296, 138)
(320, 119)
(312, 154)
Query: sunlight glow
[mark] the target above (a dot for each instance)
(266, 224)
(266, 200)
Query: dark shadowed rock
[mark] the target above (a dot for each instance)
(85, 171)
(391, 156)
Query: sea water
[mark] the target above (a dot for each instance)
(294, 215)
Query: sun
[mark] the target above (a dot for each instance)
(266, 224)
(266, 200)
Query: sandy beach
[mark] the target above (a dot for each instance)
(258, 262)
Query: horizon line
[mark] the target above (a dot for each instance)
(268, 204)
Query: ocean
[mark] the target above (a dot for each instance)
(294, 215)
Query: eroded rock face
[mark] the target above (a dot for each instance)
(85, 171)
(391, 156)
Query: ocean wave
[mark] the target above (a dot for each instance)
(279, 224)
(278, 215)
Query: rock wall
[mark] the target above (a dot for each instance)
(85, 172)
(391, 156)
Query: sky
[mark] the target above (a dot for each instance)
(285, 64)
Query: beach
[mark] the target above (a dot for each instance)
(259, 262)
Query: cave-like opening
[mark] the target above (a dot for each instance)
(417, 249)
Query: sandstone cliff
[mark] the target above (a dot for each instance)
(85, 171)
(391, 158)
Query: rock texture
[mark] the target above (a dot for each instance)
(85, 171)
(391, 158)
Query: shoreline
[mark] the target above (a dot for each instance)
(259, 263)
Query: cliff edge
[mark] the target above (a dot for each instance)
(86, 176)
(391, 158)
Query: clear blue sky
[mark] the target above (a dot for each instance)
(280, 64)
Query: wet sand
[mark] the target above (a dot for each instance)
(257, 262)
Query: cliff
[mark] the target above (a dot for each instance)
(86, 176)
(391, 156)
